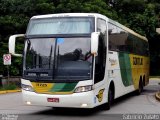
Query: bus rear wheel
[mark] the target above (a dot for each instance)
(140, 89)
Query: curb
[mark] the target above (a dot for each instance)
(9, 91)
(157, 95)
(3, 92)
(152, 78)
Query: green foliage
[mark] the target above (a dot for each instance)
(91, 6)
(140, 15)
(8, 87)
(15, 15)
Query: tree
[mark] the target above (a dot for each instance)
(91, 6)
(15, 15)
(140, 15)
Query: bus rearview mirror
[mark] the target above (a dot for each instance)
(11, 45)
(94, 42)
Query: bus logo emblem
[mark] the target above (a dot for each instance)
(100, 95)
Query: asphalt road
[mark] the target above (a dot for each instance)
(129, 106)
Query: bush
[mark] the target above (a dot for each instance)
(9, 87)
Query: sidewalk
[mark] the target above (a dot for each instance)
(157, 95)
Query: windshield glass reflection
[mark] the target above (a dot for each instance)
(58, 58)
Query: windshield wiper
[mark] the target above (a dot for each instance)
(54, 61)
(50, 56)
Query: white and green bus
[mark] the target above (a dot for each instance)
(80, 60)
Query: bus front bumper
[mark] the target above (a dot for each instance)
(75, 100)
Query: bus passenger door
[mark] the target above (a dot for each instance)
(100, 61)
(100, 64)
(99, 73)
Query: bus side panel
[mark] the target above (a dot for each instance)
(120, 73)
(125, 68)
(140, 69)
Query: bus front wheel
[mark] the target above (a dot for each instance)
(107, 105)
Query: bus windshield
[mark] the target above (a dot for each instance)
(61, 25)
(57, 58)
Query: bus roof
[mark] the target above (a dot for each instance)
(90, 15)
(66, 15)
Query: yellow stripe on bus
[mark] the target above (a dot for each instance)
(140, 68)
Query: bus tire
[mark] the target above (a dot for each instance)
(144, 81)
(107, 105)
(140, 89)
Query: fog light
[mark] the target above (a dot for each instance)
(28, 103)
(84, 105)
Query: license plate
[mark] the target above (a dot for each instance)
(53, 100)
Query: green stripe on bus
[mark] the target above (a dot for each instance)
(125, 68)
(69, 87)
(63, 87)
(57, 87)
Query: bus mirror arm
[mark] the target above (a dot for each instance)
(11, 45)
(94, 42)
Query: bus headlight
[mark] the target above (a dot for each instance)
(83, 89)
(27, 87)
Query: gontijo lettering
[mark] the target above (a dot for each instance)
(137, 61)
